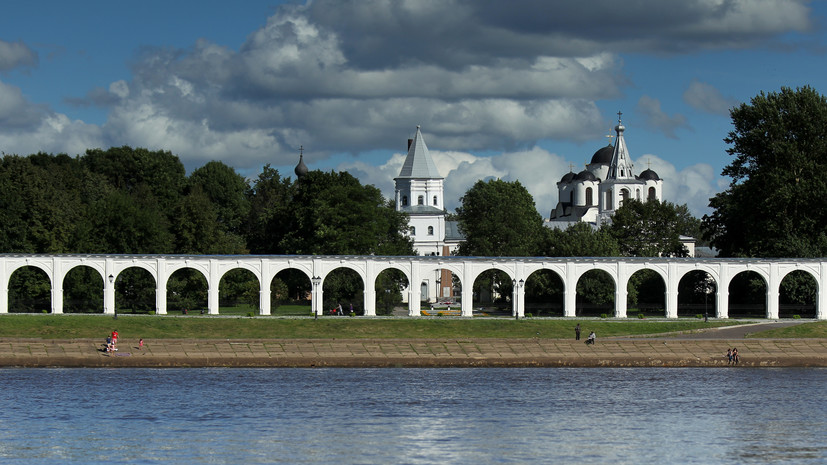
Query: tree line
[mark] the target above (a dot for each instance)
(133, 200)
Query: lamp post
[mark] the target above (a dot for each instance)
(316, 281)
(114, 310)
(438, 289)
(515, 295)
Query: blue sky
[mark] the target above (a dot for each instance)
(517, 90)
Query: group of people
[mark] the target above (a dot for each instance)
(590, 339)
(112, 343)
(338, 310)
(732, 356)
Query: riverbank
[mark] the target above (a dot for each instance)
(539, 352)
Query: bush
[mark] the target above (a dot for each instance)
(440, 314)
(151, 312)
(640, 316)
(250, 314)
(699, 316)
(604, 315)
(529, 315)
(352, 313)
(796, 317)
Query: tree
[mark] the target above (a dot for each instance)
(652, 228)
(499, 219)
(580, 240)
(773, 206)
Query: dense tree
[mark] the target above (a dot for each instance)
(652, 228)
(580, 240)
(772, 207)
(499, 219)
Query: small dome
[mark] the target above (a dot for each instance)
(604, 155)
(301, 168)
(585, 175)
(569, 177)
(649, 175)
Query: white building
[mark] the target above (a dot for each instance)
(420, 194)
(594, 194)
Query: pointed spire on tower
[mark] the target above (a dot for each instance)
(418, 163)
(621, 166)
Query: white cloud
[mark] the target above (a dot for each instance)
(657, 119)
(707, 98)
(16, 55)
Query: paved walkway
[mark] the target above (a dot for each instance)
(706, 349)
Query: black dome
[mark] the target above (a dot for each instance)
(649, 175)
(604, 155)
(301, 168)
(585, 175)
(569, 177)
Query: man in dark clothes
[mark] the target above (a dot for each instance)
(577, 332)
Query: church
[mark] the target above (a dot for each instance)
(593, 195)
(419, 192)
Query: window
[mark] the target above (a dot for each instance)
(430, 230)
(435, 203)
(404, 200)
(588, 196)
(412, 231)
(420, 200)
(652, 193)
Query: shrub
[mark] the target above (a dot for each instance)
(352, 313)
(604, 315)
(640, 316)
(699, 316)
(250, 314)
(796, 317)
(440, 314)
(151, 312)
(529, 315)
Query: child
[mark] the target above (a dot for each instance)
(140, 344)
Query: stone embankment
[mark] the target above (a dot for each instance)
(608, 352)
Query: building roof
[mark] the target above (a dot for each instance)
(604, 155)
(419, 164)
(452, 232)
(421, 210)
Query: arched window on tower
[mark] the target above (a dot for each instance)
(589, 199)
(420, 200)
(435, 202)
(430, 230)
(404, 200)
(653, 195)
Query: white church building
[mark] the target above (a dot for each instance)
(594, 194)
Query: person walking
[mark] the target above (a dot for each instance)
(728, 356)
(734, 356)
(577, 332)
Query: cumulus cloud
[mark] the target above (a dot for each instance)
(658, 120)
(16, 55)
(707, 98)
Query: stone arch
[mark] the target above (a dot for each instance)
(343, 285)
(83, 290)
(697, 291)
(595, 293)
(646, 293)
(239, 291)
(798, 295)
(30, 290)
(389, 286)
(544, 293)
(135, 290)
(747, 295)
(493, 291)
(187, 289)
(291, 292)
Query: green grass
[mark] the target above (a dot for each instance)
(816, 329)
(242, 327)
(281, 310)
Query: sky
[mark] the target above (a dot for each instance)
(522, 90)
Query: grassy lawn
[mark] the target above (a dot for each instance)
(242, 327)
(816, 329)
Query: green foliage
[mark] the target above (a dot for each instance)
(580, 240)
(652, 228)
(499, 219)
(772, 205)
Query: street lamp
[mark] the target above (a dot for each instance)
(514, 282)
(438, 288)
(316, 281)
(114, 310)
